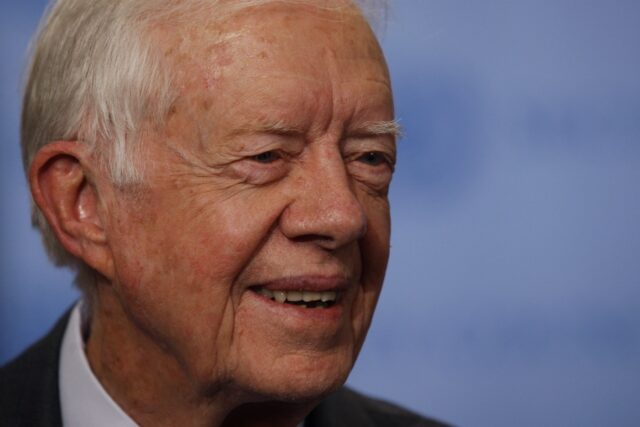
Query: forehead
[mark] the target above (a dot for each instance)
(296, 62)
(342, 29)
(296, 36)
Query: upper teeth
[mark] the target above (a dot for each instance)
(293, 296)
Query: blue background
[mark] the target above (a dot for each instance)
(513, 293)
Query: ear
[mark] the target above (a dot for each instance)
(61, 186)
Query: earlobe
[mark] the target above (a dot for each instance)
(61, 187)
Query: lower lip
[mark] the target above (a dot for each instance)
(296, 313)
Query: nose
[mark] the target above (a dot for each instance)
(325, 208)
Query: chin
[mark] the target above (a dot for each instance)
(298, 378)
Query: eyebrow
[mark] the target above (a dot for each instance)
(278, 127)
(390, 128)
(380, 128)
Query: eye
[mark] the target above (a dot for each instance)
(266, 157)
(373, 158)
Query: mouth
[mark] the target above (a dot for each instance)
(313, 306)
(301, 298)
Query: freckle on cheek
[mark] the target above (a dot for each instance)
(206, 104)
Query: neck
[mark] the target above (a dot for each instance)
(151, 386)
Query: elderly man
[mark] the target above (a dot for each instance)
(217, 172)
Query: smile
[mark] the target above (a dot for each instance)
(308, 299)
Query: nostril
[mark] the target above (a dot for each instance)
(327, 225)
(311, 238)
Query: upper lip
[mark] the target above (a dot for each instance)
(312, 283)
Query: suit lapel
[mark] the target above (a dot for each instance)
(29, 384)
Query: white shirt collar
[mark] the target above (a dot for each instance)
(83, 401)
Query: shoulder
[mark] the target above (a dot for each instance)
(350, 408)
(29, 383)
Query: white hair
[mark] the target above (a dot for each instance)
(96, 76)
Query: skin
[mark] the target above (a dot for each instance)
(267, 173)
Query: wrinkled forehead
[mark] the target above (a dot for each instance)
(201, 40)
(194, 19)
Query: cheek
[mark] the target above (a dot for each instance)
(375, 253)
(374, 250)
(176, 278)
(220, 242)
(185, 253)
(211, 234)
(376, 243)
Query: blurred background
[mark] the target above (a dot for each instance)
(513, 292)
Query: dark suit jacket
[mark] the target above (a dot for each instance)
(29, 395)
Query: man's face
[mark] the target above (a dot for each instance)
(269, 182)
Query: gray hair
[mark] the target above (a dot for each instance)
(96, 76)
